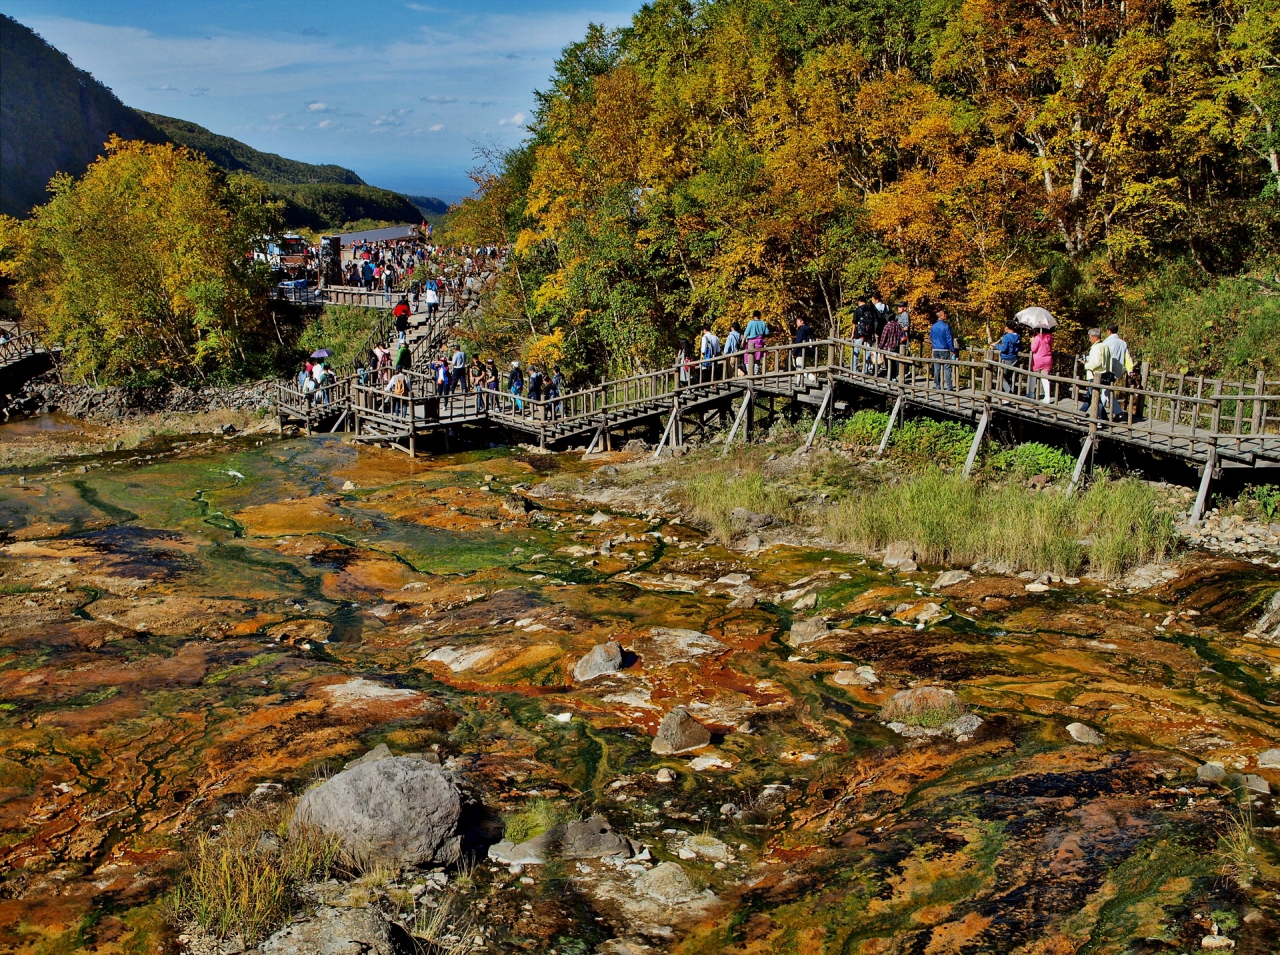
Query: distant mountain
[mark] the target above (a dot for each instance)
(53, 118)
(234, 156)
(429, 205)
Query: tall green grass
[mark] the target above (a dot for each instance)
(1114, 526)
(720, 486)
(342, 329)
(236, 883)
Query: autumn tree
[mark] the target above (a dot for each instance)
(142, 269)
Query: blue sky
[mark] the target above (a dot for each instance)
(399, 92)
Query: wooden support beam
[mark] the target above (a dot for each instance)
(671, 423)
(977, 441)
(1085, 450)
(341, 418)
(737, 421)
(595, 437)
(893, 417)
(1202, 496)
(813, 432)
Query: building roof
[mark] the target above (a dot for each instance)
(380, 235)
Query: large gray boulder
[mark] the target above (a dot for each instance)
(807, 631)
(333, 932)
(666, 884)
(400, 811)
(603, 658)
(679, 732)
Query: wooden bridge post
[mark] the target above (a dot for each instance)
(893, 416)
(977, 439)
(1085, 451)
(1255, 420)
(1202, 496)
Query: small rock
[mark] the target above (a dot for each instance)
(807, 631)
(1084, 734)
(899, 552)
(1216, 942)
(686, 854)
(636, 446)
(665, 776)
(607, 471)
(751, 543)
(348, 485)
(949, 578)
(268, 842)
(1211, 772)
(807, 602)
(1036, 588)
(598, 518)
(666, 883)
(734, 580)
(745, 518)
(745, 602)
(603, 658)
(378, 752)
(964, 725)
(334, 932)
(591, 838)
(678, 733)
(516, 504)
(1248, 781)
(851, 678)
(1269, 759)
(930, 612)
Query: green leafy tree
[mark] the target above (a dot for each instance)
(142, 269)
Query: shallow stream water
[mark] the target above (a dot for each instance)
(178, 631)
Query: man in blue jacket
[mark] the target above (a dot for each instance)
(1008, 349)
(944, 346)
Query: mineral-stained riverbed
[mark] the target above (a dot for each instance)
(174, 633)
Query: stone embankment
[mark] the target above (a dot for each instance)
(108, 405)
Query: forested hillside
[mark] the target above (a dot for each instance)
(1117, 160)
(235, 156)
(53, 118)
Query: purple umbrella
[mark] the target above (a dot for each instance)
(321, 353)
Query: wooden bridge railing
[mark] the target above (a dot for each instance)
(19, 347)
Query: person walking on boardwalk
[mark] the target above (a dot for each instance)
(1095, 371)
(1010, 342)
(558, 389)
(477, 377)
(515, 384)
(404, 357)
(432, 298)
(944, 346)
(1041, 363)
(799, 354)
(892, 337)
(732, 345)
(398, 388)
(401, 314)
(864, 334)
(708, 350)
(756, 332)
(458, 368)
(1119, 363)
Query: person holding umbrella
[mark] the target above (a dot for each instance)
(1041, 323)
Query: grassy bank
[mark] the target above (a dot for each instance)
(342, 329)
(1106, 530)
(1112, 527)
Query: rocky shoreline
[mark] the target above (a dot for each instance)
(46, 394)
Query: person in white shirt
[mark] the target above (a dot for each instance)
(708, 349)
(1118, 364)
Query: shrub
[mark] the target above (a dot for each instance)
(342, 329)
(923, 443)
(927, 706)
(1266, 497)
(237, 881)
(1114, 526)
(1028, 460)
(863, 427)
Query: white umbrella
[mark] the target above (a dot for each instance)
(1036, 317)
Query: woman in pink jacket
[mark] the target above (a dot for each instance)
(1041, 361)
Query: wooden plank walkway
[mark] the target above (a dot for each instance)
(1227, 423)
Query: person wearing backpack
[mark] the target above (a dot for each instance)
(558, 388)
(864, 334)
(401, 315)
(398, 388)
(515, 384)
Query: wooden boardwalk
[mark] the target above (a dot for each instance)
(1211, 423)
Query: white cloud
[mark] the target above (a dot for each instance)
(516, 120)
(318, 107)
(439, 99)
(326, 124)
(436, 128)
(164, 89)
